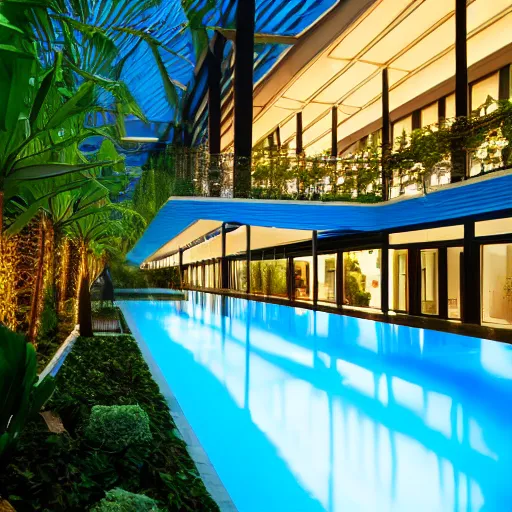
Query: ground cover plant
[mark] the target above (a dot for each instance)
(70, 472)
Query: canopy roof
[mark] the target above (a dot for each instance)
(339, 62)
(475, 197)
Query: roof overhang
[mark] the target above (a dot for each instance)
(180, 222)
(339, 62)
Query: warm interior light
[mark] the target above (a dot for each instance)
(140, 139)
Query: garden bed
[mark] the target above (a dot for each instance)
(64, 472)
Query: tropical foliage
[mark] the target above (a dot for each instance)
(66, 472)
(21, 395)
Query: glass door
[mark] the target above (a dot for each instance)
(429, 281)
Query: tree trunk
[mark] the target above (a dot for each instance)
(84, 308)
(38, 285)
(84, 298)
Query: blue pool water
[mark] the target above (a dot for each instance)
(305, 411)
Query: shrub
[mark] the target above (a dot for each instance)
(21, 395)
(116, 427)
(119, 500)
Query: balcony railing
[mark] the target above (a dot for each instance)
(419, 162)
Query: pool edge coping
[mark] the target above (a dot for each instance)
(206, 470)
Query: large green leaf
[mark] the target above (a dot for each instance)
(78, 103)
(44, 91)
(37, 172)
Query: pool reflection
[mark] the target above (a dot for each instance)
(305, 411)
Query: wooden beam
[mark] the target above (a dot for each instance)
(260, 38)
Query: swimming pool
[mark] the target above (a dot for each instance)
(306, 411)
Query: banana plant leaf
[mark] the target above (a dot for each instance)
(37, 172)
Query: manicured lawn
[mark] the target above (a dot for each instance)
(64, 472)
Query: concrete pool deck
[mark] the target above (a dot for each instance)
(197, 453)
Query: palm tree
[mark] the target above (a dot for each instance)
(110, 230)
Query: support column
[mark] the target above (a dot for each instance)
(384, 274)
(334, 132)
(298, 142)
(224, 262)
(214, 59)
(180, 267)
(315, 266)
(386, 134)
(459, 155)
(413, 277)
(340, 275)
(243, 88)
(290, 279)
(443, 282)
(248, 257)
(471, 276)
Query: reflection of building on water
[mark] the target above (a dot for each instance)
(361, 412)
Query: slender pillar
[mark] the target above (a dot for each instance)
(414, 276)
(248, 257)
(315, 266)
(340, 274)
(443, 282)
(298, 142)
(180, 266)
(243, 87)
(471, 276)
(386, 134)
(214, 60)
(384, 275)
(334, 132)
(459, 156)
(224, 262)
(278, 137)
(290, 279)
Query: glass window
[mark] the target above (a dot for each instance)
(268, 277)
(398, 289)
(361, 278)
(239, 275)
(497, 284)
(427, 235)
(401, 126)
(493, 227)
(303, 273)
(454, 298)
(430, 115)
(327, 277)
(429, 282)
(483, 91)
(450, 107)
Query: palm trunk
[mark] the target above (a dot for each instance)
(63, 250)
(84, 299)
(37, 292)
